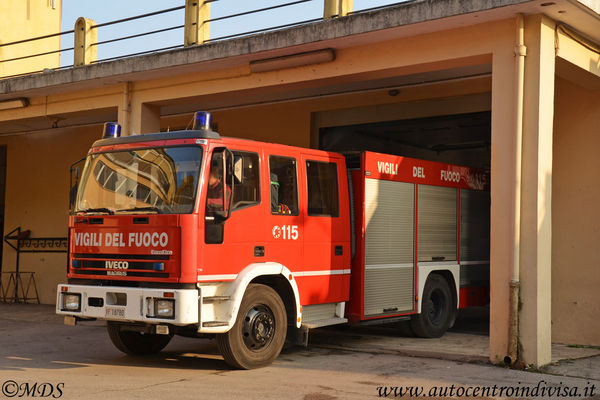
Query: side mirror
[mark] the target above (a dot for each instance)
(220, 185)
(230, 177)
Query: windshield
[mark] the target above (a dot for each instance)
(162, 180)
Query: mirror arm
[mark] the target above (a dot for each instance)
(216, 217)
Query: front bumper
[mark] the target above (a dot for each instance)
(130, 304)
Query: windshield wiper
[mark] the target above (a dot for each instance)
(99, 209)
(150, 208)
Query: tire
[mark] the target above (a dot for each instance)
(437, 309)
(258, 335)
(136, 343)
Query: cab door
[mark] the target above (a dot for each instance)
(326, 270)
(283, 216)
(233, 212)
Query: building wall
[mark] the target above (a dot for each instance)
(297, 123)
(23, 19)
(576, 216)
(37, 197)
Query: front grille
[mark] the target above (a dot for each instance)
(121, 265)
(111, 272)
(137, 265)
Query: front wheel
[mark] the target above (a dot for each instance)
(258, 335)
(437, 309)
(136, 343)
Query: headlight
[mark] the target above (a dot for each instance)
(164, 308)
(71, 302)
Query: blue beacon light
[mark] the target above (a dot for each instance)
(202, 121)
(111, 130)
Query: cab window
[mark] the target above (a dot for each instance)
(284, 185)
(246, 180)
(322, 184)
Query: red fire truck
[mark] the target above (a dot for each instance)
(195, 234)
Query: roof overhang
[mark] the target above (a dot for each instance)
(404, 20)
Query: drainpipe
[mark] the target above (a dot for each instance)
(514, 285)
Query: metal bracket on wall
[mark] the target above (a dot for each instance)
(26, 244)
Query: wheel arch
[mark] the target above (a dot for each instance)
(271, 274)
(451, 273)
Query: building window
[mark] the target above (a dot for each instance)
(322, 182)
(284, 185)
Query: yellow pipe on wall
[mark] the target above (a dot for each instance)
(514, 285)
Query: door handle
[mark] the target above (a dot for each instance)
(339, 250)
(259, 251)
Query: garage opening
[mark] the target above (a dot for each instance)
(462, 139)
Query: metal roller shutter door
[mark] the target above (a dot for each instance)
(389, 246)
(437, 223)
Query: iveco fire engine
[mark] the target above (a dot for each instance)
(195, 234)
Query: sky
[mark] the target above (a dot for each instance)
(109, 10)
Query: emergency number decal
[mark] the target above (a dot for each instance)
(285, 232)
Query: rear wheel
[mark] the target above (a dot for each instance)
(437, 309)
(136, 343)
(258, 335)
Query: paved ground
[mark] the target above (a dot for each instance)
(468, 341)
(36, 348)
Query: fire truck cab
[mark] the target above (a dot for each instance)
(191, 233)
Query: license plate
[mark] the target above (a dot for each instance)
(113, 312)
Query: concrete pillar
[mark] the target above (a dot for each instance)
(336, 8)
(197, 29)
(84, 51)
(502, 213)
(145, 118)
(536, 204)
(125, 109)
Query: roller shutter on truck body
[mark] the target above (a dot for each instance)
(389, 246)
(437, 223)
(408, 217)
